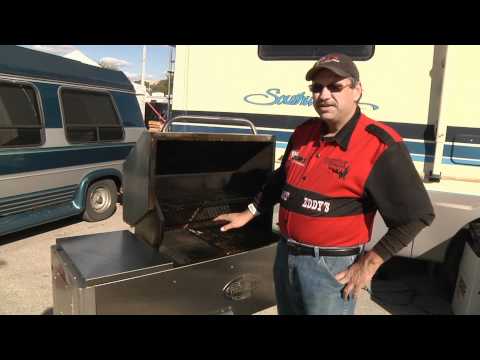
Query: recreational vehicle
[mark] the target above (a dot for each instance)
(426, 93)
(65, 131)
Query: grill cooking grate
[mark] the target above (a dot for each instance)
(191, 235)
(200, 213)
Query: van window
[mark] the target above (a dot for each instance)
(20, 121)
(90, 116)
(313, 52)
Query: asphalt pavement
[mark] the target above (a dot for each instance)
(26, 285)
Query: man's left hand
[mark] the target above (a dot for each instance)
(359, 275)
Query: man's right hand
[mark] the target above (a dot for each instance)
(235, 220)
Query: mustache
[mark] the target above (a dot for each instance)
(321, 104)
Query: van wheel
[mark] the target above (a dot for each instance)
(101, 201)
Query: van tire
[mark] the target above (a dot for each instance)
(101, 200)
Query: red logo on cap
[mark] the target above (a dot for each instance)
(329, 58)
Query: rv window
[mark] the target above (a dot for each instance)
(90, 116)
(313, 52)
(20, 122)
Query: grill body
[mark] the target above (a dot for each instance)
(175, 184)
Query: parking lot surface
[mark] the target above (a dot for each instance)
(26, 287)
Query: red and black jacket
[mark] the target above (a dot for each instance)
(330, 188)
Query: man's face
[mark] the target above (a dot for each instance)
(336, 101)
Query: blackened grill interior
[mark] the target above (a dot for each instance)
(187, 246)
(196, 178)
(191, 235)
(203, 156)
(199, 210)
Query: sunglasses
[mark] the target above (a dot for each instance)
(333, 88)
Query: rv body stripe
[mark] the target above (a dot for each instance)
(14, 162)
(64, 170)
(463, 152)
(425, 132)
(406, 130)
(462, 146)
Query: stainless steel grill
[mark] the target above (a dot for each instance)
(174, 185)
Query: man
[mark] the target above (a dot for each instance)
(337, 171)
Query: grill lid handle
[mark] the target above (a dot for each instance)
(222, 120)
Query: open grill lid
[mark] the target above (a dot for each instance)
(194, 177)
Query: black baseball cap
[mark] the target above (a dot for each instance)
(340, 64)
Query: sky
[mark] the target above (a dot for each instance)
(128, 58)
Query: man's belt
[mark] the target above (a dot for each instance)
(296, 249)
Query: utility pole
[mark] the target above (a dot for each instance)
(144, 61)
(170, 73)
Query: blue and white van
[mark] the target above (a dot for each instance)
(65, 130)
